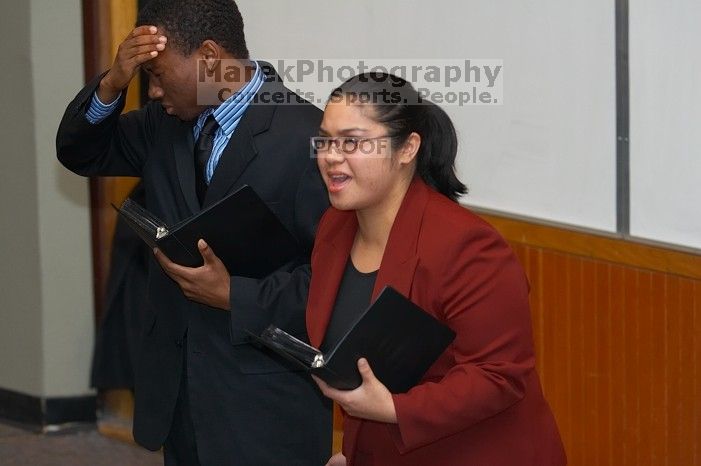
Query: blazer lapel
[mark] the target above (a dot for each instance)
(236, 156)
(241, 149)
(326, 282)
(183, 149)
(400, 258)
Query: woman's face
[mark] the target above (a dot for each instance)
(356, 160)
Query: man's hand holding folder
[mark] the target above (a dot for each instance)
(208, 284)
(202, 252)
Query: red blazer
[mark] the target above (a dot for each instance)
(481, 403)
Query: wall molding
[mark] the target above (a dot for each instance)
(42, 412)
(597, 245)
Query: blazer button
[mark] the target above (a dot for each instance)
(179, 342)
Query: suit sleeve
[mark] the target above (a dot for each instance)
(281, 298)
(484, 298)
(116, 146)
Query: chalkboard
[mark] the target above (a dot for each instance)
(665, 121)
(547, 149)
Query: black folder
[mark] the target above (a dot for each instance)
(398, 338)
(240, 228)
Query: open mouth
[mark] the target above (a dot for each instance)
(338, 181)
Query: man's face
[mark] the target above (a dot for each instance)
(173, 82)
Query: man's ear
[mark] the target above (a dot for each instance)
(210, 52)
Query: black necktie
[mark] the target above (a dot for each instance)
(203, 150)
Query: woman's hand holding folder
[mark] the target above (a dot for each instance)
(371, 400)
(337, 460)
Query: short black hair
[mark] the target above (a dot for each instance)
(191, 22)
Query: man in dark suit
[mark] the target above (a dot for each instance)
(201, 390)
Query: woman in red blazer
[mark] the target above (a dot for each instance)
(387, 158)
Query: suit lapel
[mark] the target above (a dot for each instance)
(241, 149)
(236, 156)
(326, 282)
(183, 149)
(400, 258)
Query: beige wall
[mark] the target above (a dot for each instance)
(20, 303)
(46, 308)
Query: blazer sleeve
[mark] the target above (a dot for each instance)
(484, 299)
(117, 146)
(281, 298)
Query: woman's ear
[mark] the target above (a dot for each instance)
(407, 153)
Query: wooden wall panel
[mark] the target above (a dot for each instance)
(111, 22)
(617, 347)
(106, 23)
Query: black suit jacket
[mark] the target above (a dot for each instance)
(248, 407)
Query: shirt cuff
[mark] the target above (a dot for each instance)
(98, 111)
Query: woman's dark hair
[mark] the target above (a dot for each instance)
(191, 22)
(402, 110)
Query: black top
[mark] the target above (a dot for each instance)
(353, 298)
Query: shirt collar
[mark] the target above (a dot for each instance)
(231, 110)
